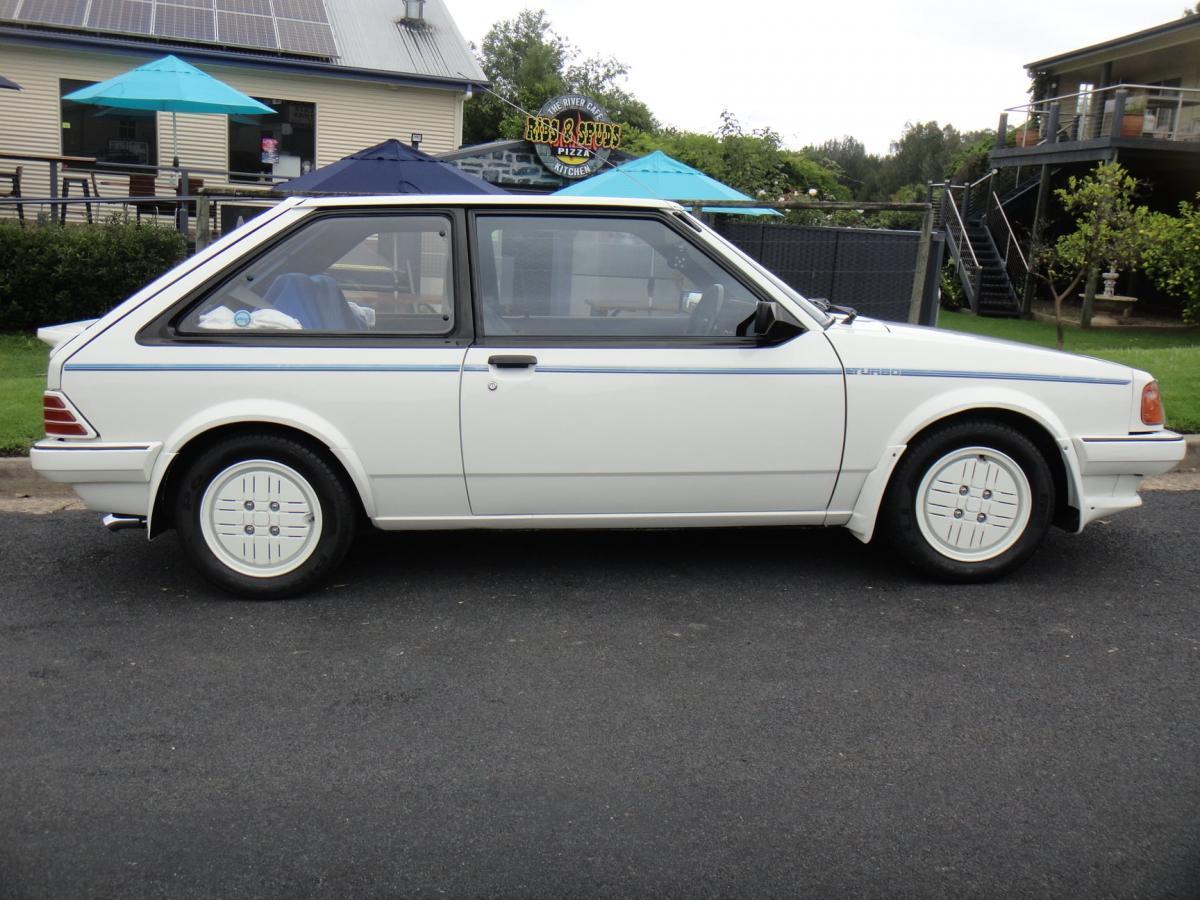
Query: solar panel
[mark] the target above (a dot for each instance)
(183, 22)
(52, 12)
(293, 26)
(125, 16)
(246, 31)
(303, 10)
(254, 7)
(306, 37)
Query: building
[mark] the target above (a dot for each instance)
(1134, 99)
(341, 75)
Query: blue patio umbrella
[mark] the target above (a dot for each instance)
(659, 177)
(391, 167)
(170, 85)
(8, 85)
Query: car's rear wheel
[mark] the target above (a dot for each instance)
(969, 501)
(264, 516)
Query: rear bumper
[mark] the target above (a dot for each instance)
(76, 463)
(1149, 454)
(108, 477)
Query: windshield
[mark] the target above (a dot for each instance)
(809, 306)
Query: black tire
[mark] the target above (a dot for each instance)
(282, 495)
(1009, 530)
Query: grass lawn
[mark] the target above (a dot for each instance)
(22, 380)
(1173, 357)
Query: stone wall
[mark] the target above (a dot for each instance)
(503, 167)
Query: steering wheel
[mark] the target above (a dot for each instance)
(707, 313)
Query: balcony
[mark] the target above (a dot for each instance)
(1096, 124)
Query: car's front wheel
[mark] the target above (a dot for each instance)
(264, 516)
(969, 501)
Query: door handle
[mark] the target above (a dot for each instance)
(512, 362)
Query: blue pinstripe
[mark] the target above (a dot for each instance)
(588, 370)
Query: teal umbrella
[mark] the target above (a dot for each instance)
(170, 85)
(659, 177)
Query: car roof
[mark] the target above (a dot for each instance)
(507, 200)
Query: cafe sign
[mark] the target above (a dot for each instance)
(573, 135)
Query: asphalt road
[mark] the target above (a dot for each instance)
(688, 714)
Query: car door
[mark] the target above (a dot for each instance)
(353, 327)
(608, 378)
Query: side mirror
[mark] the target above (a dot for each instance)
(764, 316)
(762, 319)
(772, 324)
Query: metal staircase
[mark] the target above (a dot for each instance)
(988, 258)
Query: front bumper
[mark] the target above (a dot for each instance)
(1112, 468)
(1135, 454)
(108, 477)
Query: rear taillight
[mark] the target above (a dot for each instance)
(60, 419)
(1152, 405)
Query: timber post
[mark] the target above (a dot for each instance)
(922, 263)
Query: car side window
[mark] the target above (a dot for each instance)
(601, 276)
(373, 274)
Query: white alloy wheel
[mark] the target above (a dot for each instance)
(973, 504)
(260, 518)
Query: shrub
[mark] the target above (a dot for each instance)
(1171, 255)
(61, 273)
(952, 294)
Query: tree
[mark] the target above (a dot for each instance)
(1171, 255)
(1107, 229)
(756, 163)
(925, 151)
(523, 60)
(848, 158)
(601, 77)
(526, 63)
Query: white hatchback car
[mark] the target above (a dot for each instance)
(519, 362)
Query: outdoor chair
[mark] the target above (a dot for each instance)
(86, 181)
(144, 186)
(14, 181)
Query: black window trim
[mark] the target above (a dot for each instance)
(163, 329)
(632, 342)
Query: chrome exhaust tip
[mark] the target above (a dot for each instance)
(117, 522)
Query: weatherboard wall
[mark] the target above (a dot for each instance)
(350, 114)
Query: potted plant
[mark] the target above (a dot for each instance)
(1026, 135)
(1134, 119)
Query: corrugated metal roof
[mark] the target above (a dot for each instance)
(370, 34)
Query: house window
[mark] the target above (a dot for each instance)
(113, 136)
(283, 144)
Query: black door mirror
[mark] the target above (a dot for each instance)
(764, 316)
(762, 319)
(772, 324)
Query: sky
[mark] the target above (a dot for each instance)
(826, 68)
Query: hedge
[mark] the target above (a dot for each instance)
(63, 273)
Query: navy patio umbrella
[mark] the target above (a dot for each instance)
(388, 168)
(9, 85)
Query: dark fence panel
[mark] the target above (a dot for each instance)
(869, 269)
